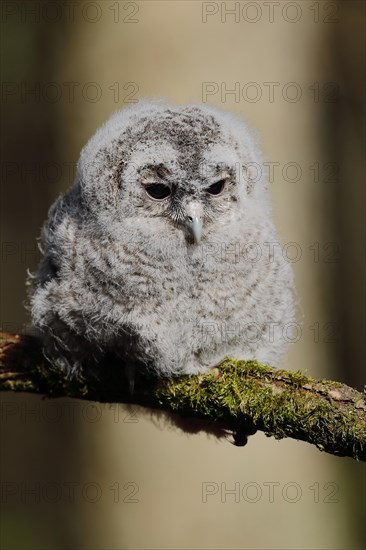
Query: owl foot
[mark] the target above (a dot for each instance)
(238, 435)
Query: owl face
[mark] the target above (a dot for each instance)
(182, 168)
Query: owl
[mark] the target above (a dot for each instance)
(161, 255)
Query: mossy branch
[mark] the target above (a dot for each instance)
(237, 394)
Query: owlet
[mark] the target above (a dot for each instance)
(161, 254)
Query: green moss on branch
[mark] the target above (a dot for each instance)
(237, 393)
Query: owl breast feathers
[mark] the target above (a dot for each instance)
(161, 253)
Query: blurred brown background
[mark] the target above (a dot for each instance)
(87, 476)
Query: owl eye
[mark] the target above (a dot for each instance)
(217, 188)
(158, 191)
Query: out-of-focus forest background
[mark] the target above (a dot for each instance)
(86, 476)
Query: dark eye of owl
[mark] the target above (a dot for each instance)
(217, 188)
(158, 191)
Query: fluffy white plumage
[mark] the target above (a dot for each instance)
(157, 255)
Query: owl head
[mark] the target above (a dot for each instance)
(187, 170)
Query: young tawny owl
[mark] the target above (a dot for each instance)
(162, 253)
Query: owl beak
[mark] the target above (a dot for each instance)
(194, 213)
(196, 228)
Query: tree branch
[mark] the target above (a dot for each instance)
(240, 394)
